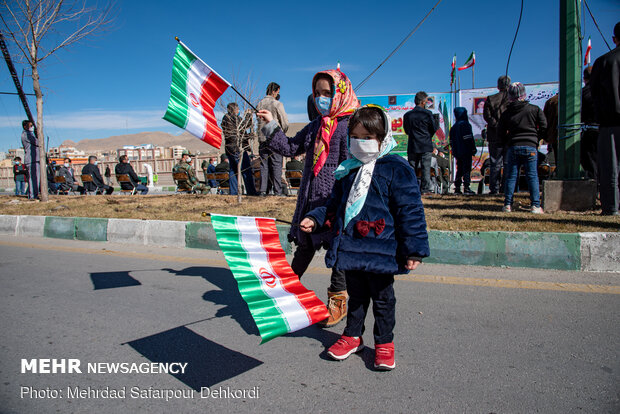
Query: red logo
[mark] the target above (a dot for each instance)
(193, 100)
(270, 280)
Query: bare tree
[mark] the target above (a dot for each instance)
(39, 28)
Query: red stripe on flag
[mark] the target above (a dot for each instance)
(315, 309)
(211, 90)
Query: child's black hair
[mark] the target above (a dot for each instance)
(372, 119)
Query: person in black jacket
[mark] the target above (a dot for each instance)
(520, 128)
(420, 125)
(124, 167)
(463, 148)
(589, 137)
(97, 185)
(494, 105)
(605, 84)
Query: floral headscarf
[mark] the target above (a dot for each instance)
(344, 101)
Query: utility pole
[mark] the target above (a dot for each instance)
(570, 91)
(18, 86)
(569, 191)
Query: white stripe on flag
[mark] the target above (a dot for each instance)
(292, 310)
(197, 75)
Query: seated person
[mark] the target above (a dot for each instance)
(70, 183)
(209, 168)
(295, 165)
(52, 187)
(97, 185)
(124, 167)
(184, 166)
(441, 165)
(223, 167)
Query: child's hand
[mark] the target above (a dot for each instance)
(412, 264)
(265, 115)
(306, 225)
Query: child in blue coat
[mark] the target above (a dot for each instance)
(377, 219)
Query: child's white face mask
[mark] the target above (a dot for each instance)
(364, 150)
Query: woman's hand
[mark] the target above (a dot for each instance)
(412, 264)
(265, 115)
(307, 225)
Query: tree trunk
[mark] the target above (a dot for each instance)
(239, 189)
(40, 135)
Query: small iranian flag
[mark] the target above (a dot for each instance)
(586, 61)
(471, 61)
(278, 302)
(195, 89)
(453, 72)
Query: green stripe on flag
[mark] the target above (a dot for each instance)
(177, 112)
(269, 320)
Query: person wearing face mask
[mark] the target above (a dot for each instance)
(20, 175)
(376, 214)
(97, 185)
(209, 168)
(237, 146)
(324, 143)
(31, 158)
(70, 183)
(193, 185)
(271, 162)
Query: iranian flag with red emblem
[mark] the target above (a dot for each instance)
(278, 302)
(471, 61)
(195, 89)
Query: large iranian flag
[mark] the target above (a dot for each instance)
(194, 90)
(278, 302)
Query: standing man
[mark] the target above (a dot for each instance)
(20, 176)
(236, 144)
(271, 162)
(494, 105)
(31, 158)
(589, 137)
(97, 185)
(420, 125)
(605, 84)
(185, 166)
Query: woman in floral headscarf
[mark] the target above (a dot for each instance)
(324, 142)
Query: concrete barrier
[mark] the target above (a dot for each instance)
(562, 251)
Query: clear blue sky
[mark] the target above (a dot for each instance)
(118, 82)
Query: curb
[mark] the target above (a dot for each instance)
(596, 252)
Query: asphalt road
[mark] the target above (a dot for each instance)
(468, 339)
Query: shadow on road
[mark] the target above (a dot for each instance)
(111, 280)
(228, 294)
(208, 363)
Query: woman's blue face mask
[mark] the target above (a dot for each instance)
(323, 104)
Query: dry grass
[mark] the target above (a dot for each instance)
(472, 213)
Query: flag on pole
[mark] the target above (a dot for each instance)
(194, 90)
(453, 72)
(471, 61)
(278, 302)
(586, 61)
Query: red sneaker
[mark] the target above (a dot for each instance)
(384, 356)
(344, 347)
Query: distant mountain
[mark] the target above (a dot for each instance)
(158, 139)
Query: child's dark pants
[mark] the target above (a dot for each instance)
(361, 287)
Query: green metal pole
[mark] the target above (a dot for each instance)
(570, 91)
